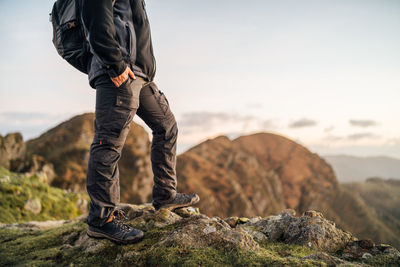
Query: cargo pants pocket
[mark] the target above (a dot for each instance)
(160, 98)
(125, 106)
(128, 95)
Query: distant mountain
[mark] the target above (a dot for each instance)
(352, 169)
(382, 199)
(256, 174)
(262, 173)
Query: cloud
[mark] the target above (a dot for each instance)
(358, 136)
(302, 123)
(23, 117)
(267, 124)
(195, 126)
(207, 120)
(30, 124)
(351, 138)
(254, 105)
(363, 123)
(329, 129)
(332, 138)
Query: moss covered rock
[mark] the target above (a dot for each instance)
(25, 198)
(174, 240)
(311, 229)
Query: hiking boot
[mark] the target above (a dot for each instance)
(116, 231)
(181, 200)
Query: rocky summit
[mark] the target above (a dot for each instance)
(188, 238)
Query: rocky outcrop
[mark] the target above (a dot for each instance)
(12, 147)
(13, 157)
(67, 146)
(256, 174)
(33, 205)
(34, 164)
(29, 198)
(187, 237)
(309, 230)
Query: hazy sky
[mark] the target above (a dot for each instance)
(324, 73)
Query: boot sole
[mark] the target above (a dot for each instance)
(98, 235)
(172, 207)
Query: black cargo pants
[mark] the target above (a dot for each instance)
(115, 109)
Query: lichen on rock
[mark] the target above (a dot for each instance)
(311, 230)
(187, 237)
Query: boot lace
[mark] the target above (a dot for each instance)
(120, 215)
(119, 218)
(124, 227)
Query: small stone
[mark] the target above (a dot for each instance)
(289, 212)
(257, 235)
(209, 229)
(243, 220)
(366, 256)
(254, 220)
(193, 210)
(366, 243)
(215, 219)
(232, 221)
(5, 179)
(313, 213)
(163, 213)
(33, 205)
(187, 212)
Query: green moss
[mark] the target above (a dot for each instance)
(383, 260)
(45, 248)
(174, 256)
(33, 248)
(17, 189)
(4, 171)
(286, 250)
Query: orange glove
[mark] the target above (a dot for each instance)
(123, 77)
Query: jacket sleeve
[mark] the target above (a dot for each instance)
(97, 16)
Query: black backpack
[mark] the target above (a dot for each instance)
(68, 34)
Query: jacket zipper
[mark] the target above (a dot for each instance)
(130, 39)
(151, 43)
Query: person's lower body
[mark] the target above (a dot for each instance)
(115, 109)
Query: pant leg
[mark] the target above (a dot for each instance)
(115, 109)
(154, 110)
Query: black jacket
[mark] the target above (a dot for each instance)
(118, 32)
